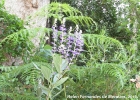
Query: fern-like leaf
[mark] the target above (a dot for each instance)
(59, 11)
(113, 70)
(20, 43)
(105, 49)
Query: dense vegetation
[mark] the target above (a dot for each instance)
(89, 50)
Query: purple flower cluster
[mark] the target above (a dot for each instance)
(67, 43)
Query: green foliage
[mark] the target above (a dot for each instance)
(20, 43)
(81, 20)
(55, 77)
(103, 49)
(20, 82)
(2, 3)
(59, 63)
(109, 64)
(43, 54)
(60, 11)
(15, 96)
(26, 82)
(9, 23)
(99, 79)
(102, 12)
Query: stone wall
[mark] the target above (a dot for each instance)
(23, 8)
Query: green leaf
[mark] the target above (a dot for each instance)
(46, 72)
(47, 47)
(64, 64)
(58, 92)
(57, 77)
(57, 60)
(59, 82)
(44, 89)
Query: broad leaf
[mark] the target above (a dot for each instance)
(44, 89)
(57, 77)
(46, 72)
(47, 47)
(59, 82)
(64, 64)
(57, 60)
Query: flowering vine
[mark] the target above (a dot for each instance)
(68, 43)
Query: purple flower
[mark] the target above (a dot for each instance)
(70, 38)
(67, 44)
(75, 53)
(62, 28)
